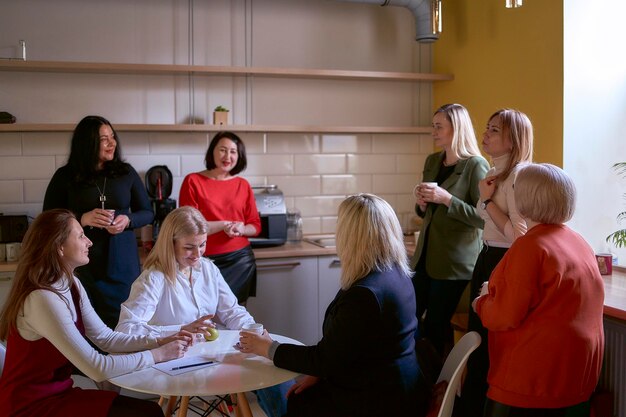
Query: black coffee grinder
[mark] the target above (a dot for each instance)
(159, 187)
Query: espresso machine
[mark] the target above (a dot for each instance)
(159, 187)
(270, 202)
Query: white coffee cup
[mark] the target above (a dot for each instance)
(253, 328)
(417, 187)
(13, 251)
(3, 252)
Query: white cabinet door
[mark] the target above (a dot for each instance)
(329, 272)
(286, 299)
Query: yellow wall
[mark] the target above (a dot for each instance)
(505, 58)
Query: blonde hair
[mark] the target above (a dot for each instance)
(369, 238)
(464, 143)
(544, 193)
(181, 222)
(518, 128)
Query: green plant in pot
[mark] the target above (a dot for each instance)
(618, 238)
(220, 115)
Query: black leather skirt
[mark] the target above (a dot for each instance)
(239, 270)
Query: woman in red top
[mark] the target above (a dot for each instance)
(227, 203)
(543, 308)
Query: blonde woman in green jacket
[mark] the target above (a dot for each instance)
(450, 238)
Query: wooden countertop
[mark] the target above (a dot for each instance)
(614, 285)
(615, 293)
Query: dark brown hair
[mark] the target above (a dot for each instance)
(40, 265)
(242, 161)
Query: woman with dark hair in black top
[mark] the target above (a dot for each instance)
(109, 200)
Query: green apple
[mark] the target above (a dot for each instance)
(211, 334)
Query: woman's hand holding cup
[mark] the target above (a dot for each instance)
(254, 339)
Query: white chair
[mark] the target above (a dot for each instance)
(3, 353)
(453, 369)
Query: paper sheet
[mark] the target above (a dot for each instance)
(196, 362)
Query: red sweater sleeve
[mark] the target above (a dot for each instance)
(513, 289)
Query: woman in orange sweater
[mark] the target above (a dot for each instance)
(543, 307)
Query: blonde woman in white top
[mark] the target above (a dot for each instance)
(508, 140)
(179, 289)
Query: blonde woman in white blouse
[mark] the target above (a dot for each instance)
(508, 140)
(180, 289)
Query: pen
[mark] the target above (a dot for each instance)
(192, 365)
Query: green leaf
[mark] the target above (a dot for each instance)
(618, 239)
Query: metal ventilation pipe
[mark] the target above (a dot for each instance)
(427, 15)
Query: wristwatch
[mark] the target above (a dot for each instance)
(484, 204)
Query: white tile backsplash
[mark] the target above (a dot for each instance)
(46, 143)
(270, 165)
(396, 144)
(10, 144)
(34, 190)
(297, 185)
(397, 184)
(346, 184)
(318, 205)
(26, 167)
(373, 164)
(346, 143)
(179, 143)
(293, 143)
(11, 192)
(320, 164)
(409, 164)
(314, 171)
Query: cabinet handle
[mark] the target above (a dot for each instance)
(5, 279)
(335, 263)
(279, 265)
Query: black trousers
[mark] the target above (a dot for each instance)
(474, 391)
(439, 299)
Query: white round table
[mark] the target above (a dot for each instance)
(236, 372)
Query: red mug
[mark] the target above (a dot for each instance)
(605, 263)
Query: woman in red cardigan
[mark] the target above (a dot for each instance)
(543, 308)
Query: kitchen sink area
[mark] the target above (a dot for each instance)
(323, 241)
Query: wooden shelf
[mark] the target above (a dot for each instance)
(119, 68)
(66, 127)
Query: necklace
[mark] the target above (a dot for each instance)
(103, 197)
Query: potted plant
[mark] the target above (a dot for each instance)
(618, 238)
(220, 115)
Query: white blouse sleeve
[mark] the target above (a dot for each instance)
(138, 310)
(50, 316)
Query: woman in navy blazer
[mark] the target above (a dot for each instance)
(365, 364)
(450, 239)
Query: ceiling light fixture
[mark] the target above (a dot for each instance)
(513, 4)
(435, 6)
